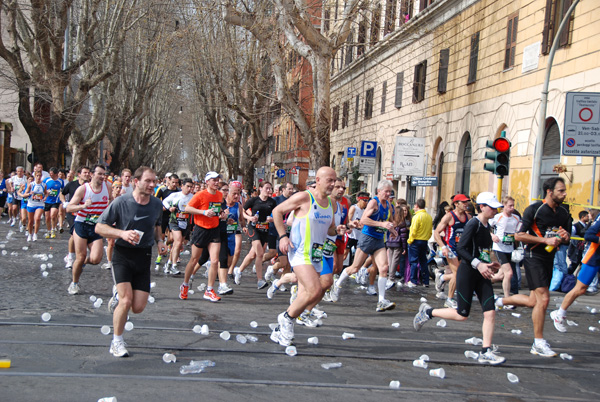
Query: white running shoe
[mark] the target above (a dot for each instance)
(335, 293)
(224, 289)
(119, 349)
(74, 289)
(69, 262)
(490, 357)
(389, 284)
(559, 322)
(269, 275)
(237, 275)
(451, 303)
(371, 291)
(385, 305)
(542, 350)
(439, 281)
(286, 330)
(28, 237)
(107, 265)
(410, 285)
(272, 289)
(34, 238)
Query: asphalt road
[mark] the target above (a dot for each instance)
(67, 358)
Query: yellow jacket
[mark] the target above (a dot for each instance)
(420, 226)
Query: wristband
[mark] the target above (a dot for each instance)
(283, 235)
(475, 263)
(204, 212)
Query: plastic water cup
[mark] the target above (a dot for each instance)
(204, 330)
(348, 335)
(594, 311)
(201, 287)
(151, 299)
(566, 356)
(396, 325)
(394, 384)
(93, 298)
(25, 248)
(108, 399)
(441, 323)
(474, 341)
(43, 267)
(253, 324)
(516, 315)
(197, 329)
(46, 317)
(225, 335)
(140, 234)
(425, 358)
(98, 303)
(241, 338)
(191, 291)
(45, 274)
(512, 378)
(328, 366)
(291, 351)
(50, 255)
(169, 358)
(128, 326)
(593, 329)
(420, 363)
(439, 373)
(423, 300)
(313, 340)
(517, 331)
(152, 285)
(105, 330)
(4, 252)
(49, 265)
(469, 354)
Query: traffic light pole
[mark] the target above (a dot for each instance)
(499, 190)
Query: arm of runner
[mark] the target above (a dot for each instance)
(160, 241)
(370, 210)
(437, 233)
(74, 204)
(293, 203)
(110, 232)
(167, 202)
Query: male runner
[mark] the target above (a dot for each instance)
(126, 182)
(84, 175)
(14, 186)
(52, 203)
(179, 226)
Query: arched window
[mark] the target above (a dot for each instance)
(463, 168)
(551, 152)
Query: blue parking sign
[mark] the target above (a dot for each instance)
(368, 149)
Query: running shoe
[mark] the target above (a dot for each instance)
(421, 317)
(384, 305)
(286, 330)
(21, 228)
(439, 281)
(542, 350)
(304, 319)
(119, 349)
(272, 289)
(167, 268)
(12, 223)
(34, 238)
(411, 285)
(451, 303)
(74, 289)
(211, 295)
(371, 291)
(327, 297)
(269, 275)
(113, 302)
(490, 357)
(282, 288)
(52, 235)
(69, 262)
(183, 291)
(261, 284)
(106, 265)
(389, 284)
(158, 260)
(237, 275)
(224, 289)
(294, 293)
(559, 322)
(335, 293)
(29, 237)
(173, 270)
(61, 230)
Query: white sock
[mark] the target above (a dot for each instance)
(343, 276)
(72, 256)
(562, 313)
(117, 338)
(499, 302)
(381, 287)
(538, 341)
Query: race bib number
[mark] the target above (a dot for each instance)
(91, 219)
(508, 239)
(38, 197)
(316, 253)
(215, 206)
(53, 193)
(232, 227)
(182, 216)
(484, 255)
(182, 224)
(457, 235)
(329, 248)
(262, 226)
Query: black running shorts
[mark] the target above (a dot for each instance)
(132, 265)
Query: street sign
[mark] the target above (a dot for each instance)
(350, 152)
(293, 171)
(582, 124)
(424, 181)
(260, 172)
(312, 173)
(368, 149)
(366, 166)
(281, 173)
(409, 156)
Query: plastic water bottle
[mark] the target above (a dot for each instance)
(474, 341)
(328, 366)
(593, 329)
(151, 299)
(45, 274)
(93, 298)
(251, 338)
(516, 315)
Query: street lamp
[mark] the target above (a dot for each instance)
(406, 130)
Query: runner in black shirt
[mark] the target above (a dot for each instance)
(546, 224)
(474, 274)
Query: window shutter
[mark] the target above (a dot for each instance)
(546, 40)
(422, 80)
(399, 84)
(473, 58)
(564, 36)
(443, 71)
(383, 96)
(356, 109)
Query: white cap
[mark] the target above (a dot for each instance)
(169, 174)
(488, 199)
(211, 175)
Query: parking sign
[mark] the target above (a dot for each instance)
(368, 149)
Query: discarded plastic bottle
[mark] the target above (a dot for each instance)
(108, 399)
(395, 384)
(439, 373)
(202, 287)
(423, 300)
(45, 274)
(566, 356)
(594, 311)
(241, 338)
(196, 367)
(328, 366)
(420, 363)
(469, 354)
(512, 378)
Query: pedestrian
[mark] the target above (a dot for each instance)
(546, 224)
(575, 251)
(136, 218)
(420, 232)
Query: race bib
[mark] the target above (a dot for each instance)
(91, 219)
(457, 235)
(181, 216)
(262, 226)
(53, 193)
(38, 197)
(329, 248)
(316, 253)
(508, 239)
(182, 224)
(484, 255)
(232, 228)
(215, 206)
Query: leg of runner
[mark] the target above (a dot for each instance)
(81, 248)
(359, 259)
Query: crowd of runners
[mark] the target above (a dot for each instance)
(310, 242)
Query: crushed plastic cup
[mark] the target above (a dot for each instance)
(516, 315)
(204, 330)
(46, 317)
(329, 366)
(423, 300)
(348, 335)
(593, 329)
(512, 378)
(516, 331)
(105, 330)
(152, 285)
(108, 399)
(594, 311)
(439, 373)
(98, 303)
(425, 358)
(43, 267)
(441, 323)
(201, 287)
(4, 252)
(241, 338)
(313, 340)
(420, 363)
(197, 329)
(169, 358)
(196, 367)
(272, 326)
(566, 356)
(140, 234)
(45, 274)
(128, 326)
(396, 325)
(253, 324)
(151, 299)
(474, 341)
(469, 354)
(50, 256)
(251, 338)
(49, 265)
(25, 248)
(572, 323)
(225, 335)
(191, 291)
(291, 350)
(395, 384)
(93, 298)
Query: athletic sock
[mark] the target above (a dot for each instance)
(117, 338)
(499, 302)
(562, 313)
(343, 276)
(289, 317)
(186, 284)
(429, 312)
(381, 287)
(538, 341)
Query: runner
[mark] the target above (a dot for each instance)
(172, 186)
(36, 192)
(376, 222)
(451, 225)
(240, 227)
(83, 176)
(126, 182)
(52, 203)
(110, 247)
(340, 241)
(206, 207)
(136, 219)
(313, 221)
(88, 202)
(546, 224)
(354, 214)
(178, 221)
(15, 185)
(474, 274)
(64, 176)
(590, 264)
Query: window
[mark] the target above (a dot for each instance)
(443, 71)
(390, 16)
(383, 96)
(335, 117)
(555, 12)
(369, 103)
(405, 10)
(356, 108)
(399, 84)
(473, 59)
(511, 41)
(424, 3)
(345, 114)
(349, 48)
(326, 18)
(375, 25)
(419, 83)
(362, 38)
(463, 183)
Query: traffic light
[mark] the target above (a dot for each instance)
(500, 156)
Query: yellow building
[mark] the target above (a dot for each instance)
(456, 73)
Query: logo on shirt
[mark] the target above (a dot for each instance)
(137, 218)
